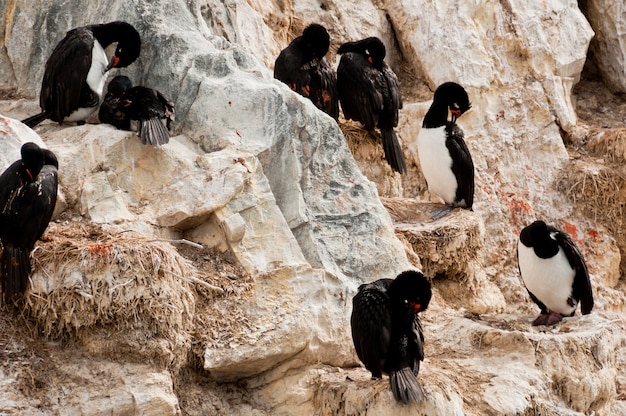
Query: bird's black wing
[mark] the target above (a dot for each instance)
(290, 67)
(391, 92)
(582, 284)
(170, 110)
(143, 103)
(357, 82)
(9, 181)
(417, 343)
(66, 74)
(371, 324)
(29, 209)
(462, 164)
(323, 89)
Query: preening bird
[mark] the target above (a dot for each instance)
(28, 193)
(147, 106)
(302, 66)
(77, 69)
(554, 273)
(369, 92)
(387, 332)
(444, 158)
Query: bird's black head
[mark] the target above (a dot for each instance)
(454, 97)
(118, 86)
(50, 158)
(317, 40)
(372, 48)
(375, 51)
(541, 238)
(411, 290)
(33, 160)
(127, 38)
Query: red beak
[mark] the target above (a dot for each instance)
(114, 62)
(416, 307)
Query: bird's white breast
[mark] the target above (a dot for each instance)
(550, 280)
(436, 163)
(98, 71)
(96, 77)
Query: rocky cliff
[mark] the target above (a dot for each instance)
(294, 211)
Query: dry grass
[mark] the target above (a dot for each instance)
(446, 246)
(219, 318)
(599, 192)
(84, 276)
(366, 146)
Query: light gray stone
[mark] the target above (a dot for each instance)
(608, 19)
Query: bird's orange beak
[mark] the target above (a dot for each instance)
(115, 60)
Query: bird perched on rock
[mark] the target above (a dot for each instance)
(147, 106)
(444, 157)
(76, 71)
(28, 193)
(110, 110)
(369, 93)
(302, 66)
(554, 273)
(387, 332)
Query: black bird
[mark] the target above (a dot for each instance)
(110, 110)
(387, 332)
(28, 193)
(444, 157)
(369, 93)
(147, 106)
(76, 71)
(302, 66)
(554, 273)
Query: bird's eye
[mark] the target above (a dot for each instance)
(367, 52)
(455, 106)
(406, 302)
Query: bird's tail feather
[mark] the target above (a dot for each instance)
(405, 387)
(153, 132)
(36, 119)
(393, 151)
(15, 263)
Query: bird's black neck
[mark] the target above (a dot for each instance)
(436, 116)
(111, 32)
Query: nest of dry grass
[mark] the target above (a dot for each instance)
(598, 190)
(367, 149)
(446, 246)
(365, 146)
(85, 277)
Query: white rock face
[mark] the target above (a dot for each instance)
(256, 170)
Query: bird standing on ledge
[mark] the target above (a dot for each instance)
(387, 332)
(554, 273)
(28, 194)
(302, 66)
(444, 158)
(76, 71)
(369, 92)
